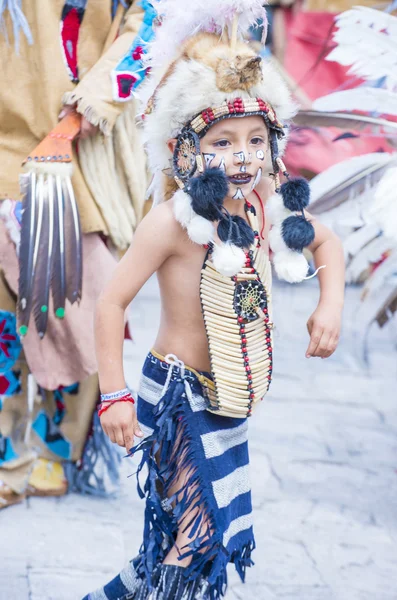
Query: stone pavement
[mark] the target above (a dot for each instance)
(324, 459)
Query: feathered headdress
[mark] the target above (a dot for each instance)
(203, 71)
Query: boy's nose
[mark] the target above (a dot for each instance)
(242, 158)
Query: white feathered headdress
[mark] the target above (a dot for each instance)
(203, 70)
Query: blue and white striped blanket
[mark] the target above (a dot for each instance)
(215, 450)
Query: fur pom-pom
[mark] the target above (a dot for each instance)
(276, 241)
(290, 266)
(183, 211)
(297, 232)
(207, 192)
(200, 230)
(236, 231)
(296, 194)
(228, 259)
(275, 210)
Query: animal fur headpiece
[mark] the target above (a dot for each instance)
(202, 71)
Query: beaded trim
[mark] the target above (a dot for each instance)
(238, 107)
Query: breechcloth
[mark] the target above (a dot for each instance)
(213, 502)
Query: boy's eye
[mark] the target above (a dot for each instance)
(222, 143)
(256, 141)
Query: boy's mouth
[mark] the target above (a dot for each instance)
(240, 178)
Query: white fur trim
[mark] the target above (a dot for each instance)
(228, 259)
(276, 240)
(191, 88)
(183, 211)
(200, 230)
(290, 265)
(275, 210)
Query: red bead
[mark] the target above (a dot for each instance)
(246, 359)
(244, 340)
(250, 377)
(252, 396)
(265, 310)
(268, 339)
(269, 378)
(240, 319)
(206, 246)
(267, 320)
(252, 271)
(247, 368)
(244, 349)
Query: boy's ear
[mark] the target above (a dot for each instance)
(171, 145)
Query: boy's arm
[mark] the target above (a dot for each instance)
(155, 240)
(325, 323)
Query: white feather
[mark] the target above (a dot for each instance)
(368, 256)
(290, 266)
(367, 41)
(381, 275)
(384, 208)
(183, 211)
(328, 179)
(200, 230)
(183, 18)
(359, 239)
(363, 98)
(228, 259)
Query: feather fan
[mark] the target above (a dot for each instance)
(363, 98)
(367, 41)
(26, 250)
(383, 209)
(73, 248)
(366, 258)
(58, 276)
(42, 273)
(181, 19)
(343, 120)
(359, 239)
(347, 180)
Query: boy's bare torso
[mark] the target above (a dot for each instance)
(182, 331)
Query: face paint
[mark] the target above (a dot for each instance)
(243, 169)
(222, 166)
(238, 195)
(260, 154)
(257, 179)
(240, 156)
(208, 159)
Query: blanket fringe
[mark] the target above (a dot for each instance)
(97, 473)
(166, 453)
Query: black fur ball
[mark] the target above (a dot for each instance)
(207, 192)
(235, 230)
(297, 232)
(296, 194)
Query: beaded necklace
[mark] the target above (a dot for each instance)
(237, 317)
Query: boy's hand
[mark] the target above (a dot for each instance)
(324, 329)
(120, 424)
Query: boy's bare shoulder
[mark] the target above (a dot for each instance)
(161, 220)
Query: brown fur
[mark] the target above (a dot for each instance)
(235, 70)
(170, 187)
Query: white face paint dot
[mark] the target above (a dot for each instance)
(260, 154)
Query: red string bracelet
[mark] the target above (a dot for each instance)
(104, 406)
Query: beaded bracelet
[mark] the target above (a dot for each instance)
(115, 395)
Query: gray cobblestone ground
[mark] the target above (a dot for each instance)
(324, 458)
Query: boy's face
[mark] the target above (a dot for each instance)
(239, 147)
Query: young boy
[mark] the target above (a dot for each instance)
(215, 113)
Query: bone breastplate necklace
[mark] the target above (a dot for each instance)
(237, 316)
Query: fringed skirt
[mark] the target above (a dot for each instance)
(195, 465)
